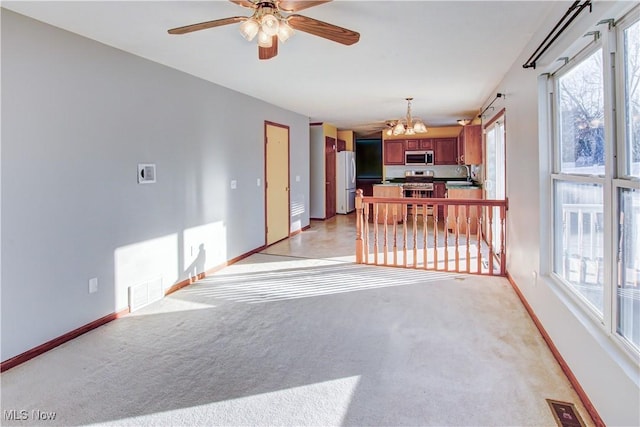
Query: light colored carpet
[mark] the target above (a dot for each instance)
(277, 340)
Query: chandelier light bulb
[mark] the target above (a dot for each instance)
(249, 29)
(270, 24)
(264, 40)
(284, 32)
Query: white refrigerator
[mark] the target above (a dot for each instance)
(346, 182)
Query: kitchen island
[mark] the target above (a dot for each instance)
(391, 190)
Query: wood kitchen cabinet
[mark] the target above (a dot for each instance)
(439, 192)
(470, 145)
(463, 211)
(394, 152)
(445, 151)
(388, 190)
(419, 144)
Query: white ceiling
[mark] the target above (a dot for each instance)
(448, 55)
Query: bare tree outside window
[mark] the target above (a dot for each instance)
(632, 97)
(581, 96)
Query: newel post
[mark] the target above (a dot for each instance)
(359, 221)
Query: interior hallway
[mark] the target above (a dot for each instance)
(299, 335)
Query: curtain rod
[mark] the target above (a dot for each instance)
(542, 48)
(498, 95)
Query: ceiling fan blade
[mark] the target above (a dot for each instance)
(244, 3)
(269, 52)
(295, 6)
(324, 30)
(208, 24)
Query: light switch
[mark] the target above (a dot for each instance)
(93, 285)
(234, 184)
(297, 178)
(258, 182)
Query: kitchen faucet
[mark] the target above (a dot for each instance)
(468, 169)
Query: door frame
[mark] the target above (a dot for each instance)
(268, 123)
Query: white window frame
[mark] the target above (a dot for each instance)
(613, 179)
(557, 176)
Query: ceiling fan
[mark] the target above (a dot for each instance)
(273, 21)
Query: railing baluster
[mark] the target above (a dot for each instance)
(479, 241)
(457, 238)
(395, 234)
(365, 222)
(425, 229)
(404, 236)
(415, 236)
(503, 256)
(385, 229)
(468, 237)
(374, 207)
(446, 241)
(490, 242)
(435, 237)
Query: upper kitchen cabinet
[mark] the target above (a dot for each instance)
(470, 145)
(419, 144)
(394, 152)
(445, 151)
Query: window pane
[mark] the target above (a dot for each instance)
(632, 98)
(629, 266)
(578, 218)
(581, 109)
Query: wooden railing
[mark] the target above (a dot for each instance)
(453, 235)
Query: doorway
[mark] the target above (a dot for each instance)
(330, 176)
(495, 170)
(277, 203)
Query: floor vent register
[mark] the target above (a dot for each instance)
(565, 414)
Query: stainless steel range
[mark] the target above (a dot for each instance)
(418, 184)
(418, 181)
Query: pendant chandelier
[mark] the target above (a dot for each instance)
(407, 126)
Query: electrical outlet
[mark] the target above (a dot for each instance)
(258, 182)
(93, 285)
(234, 184)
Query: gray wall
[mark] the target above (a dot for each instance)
(77, 118)
(608, 375)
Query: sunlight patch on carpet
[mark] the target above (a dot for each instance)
(323, 403)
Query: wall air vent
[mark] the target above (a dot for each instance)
(145, 293)
(146, 173)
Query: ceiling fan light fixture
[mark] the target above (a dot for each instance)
(463, 122)
(264, 40)
(284, 31)
(249, 28)
(269, 24)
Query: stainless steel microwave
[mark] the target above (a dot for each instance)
(418, 158)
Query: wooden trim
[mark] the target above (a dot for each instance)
(591, 410)
(43, 348)
(49, 345)
(300, 230)
(494, 118)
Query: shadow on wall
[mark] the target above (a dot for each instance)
(197, 267)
